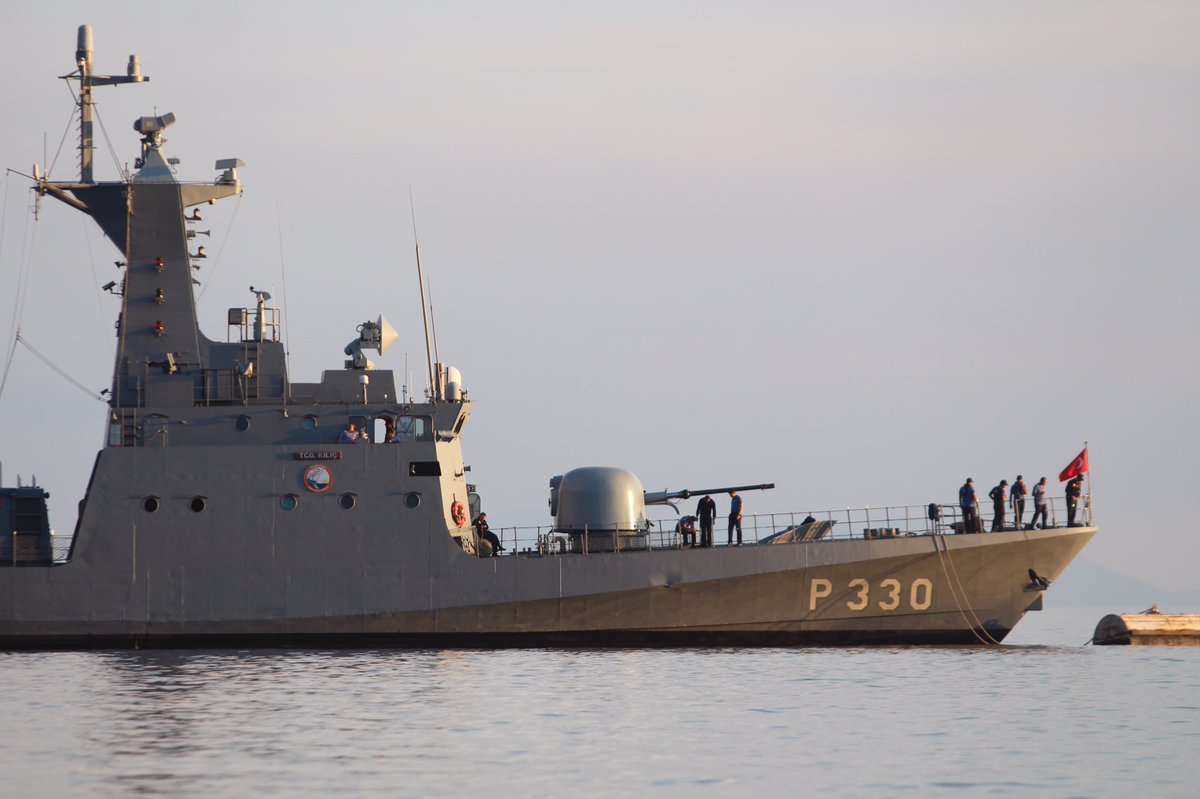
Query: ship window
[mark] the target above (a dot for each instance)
(150, 504)
(425, 469)
(379, 430)
(346, 501)
(242, 424)
(412, 428)
(458, 426)
(288, 501)
(412, 499)
(308, 423)
(197, 504)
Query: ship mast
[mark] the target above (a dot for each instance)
(87, 82)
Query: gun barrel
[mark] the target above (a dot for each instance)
(660, 497)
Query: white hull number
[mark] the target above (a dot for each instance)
(919, 595)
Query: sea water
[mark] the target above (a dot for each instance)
(1040, 716)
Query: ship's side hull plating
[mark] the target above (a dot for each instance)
(354, 582)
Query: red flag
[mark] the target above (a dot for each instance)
(1075, 468)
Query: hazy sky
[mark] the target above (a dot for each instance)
(863, 250)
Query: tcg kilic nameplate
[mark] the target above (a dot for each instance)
(318, 455)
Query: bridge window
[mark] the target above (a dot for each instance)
(412, 428)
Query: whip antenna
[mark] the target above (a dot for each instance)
(424, 309)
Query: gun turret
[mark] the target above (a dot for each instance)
(665, 497)
(602, 509)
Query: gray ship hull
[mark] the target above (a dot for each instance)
(246, 573)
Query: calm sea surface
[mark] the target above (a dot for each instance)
(1040, 716)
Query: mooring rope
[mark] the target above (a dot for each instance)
(963, 590)
(975, 630)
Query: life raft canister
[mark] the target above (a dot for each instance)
(457, 513)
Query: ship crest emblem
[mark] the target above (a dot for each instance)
(318, 478)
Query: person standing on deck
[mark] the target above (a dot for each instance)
(1074, 490)
(1039, 504)
(735, 519)
(1019, 492)
(969, 503)
(999, 496)
(706, 511)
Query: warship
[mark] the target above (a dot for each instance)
(232, 507)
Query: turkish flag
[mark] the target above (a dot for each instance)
(1075, 468)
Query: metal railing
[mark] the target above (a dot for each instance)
(22, 547)
(847, 523)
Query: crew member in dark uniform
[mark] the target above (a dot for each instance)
(969, 504)
(706, 511)
(1019, 491)
(686, 527)
(999, 497)
(1074, 489)
(485, 534)
(735, 518)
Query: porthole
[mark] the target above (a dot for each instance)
(412, 499)
(346, 501)
(288, 501)
(150, 504)
(242, 424)
(197, 504)
(308, 423)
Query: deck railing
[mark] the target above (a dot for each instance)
(847, 523)
(863, 522)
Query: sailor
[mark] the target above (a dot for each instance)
(1039, 504)
(350, 435)
(1074, 489)
(999, 496)
(485, 534)
(969, 503)
(687, 529)
(706, 511)
(735, 519)
(1019, 492)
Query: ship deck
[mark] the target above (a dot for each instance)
(785, 527)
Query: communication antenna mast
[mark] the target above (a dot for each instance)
(424, 309)
(437, 357)
(87, 80)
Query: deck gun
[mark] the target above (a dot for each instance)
(665, 497)
(605, 498)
